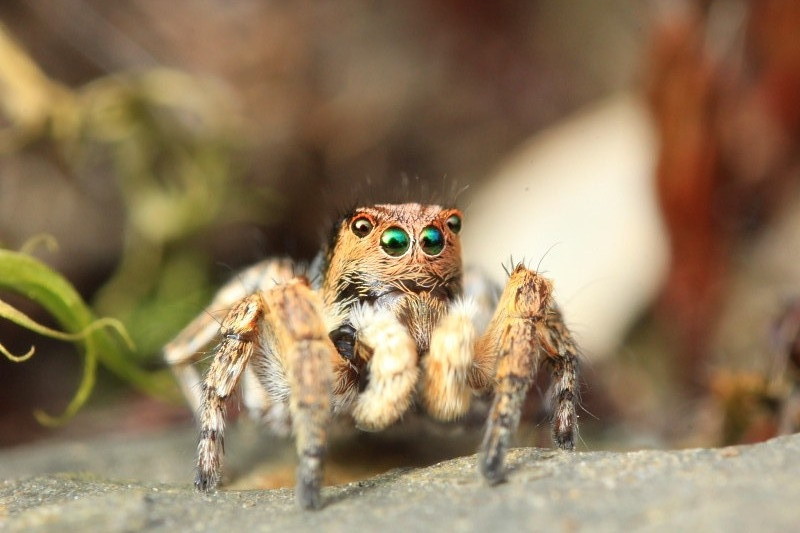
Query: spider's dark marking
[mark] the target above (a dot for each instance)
(363, 381)
(444, 289)
(210, 434)
(344, 339)
(203, 482)
(565, 396)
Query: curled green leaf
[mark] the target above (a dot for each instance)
(18, 317)
(25, 275)
(17, 358)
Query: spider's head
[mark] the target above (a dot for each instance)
(381, 252)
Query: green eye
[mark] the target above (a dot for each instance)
(454, 223)
(431, 240)
(395, 241)
(361, 226)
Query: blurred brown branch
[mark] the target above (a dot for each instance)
(30, 101)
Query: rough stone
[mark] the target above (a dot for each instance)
(744, 488)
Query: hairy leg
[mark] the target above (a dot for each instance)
(239, 337)
(562, 358)
(284, 323)
(525, 326)
(297, 334)
(392, 368)
(187, 347)
(445, 392)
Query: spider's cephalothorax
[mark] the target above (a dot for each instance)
(393, 321)
(405, 258)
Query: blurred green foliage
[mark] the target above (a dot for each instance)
(171, 142)
(168, 141)
(25, 275)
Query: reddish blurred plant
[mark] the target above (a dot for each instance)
(725, 101)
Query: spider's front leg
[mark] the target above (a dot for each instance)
(391, 357)
(525, 326)
(445, 390)
(284, 323)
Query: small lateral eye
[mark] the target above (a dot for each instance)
(431, 240)
(454, 223)
(395, 241)
(361, 226)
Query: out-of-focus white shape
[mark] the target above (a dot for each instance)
(582, 193)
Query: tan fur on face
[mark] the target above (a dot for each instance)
(361, 263)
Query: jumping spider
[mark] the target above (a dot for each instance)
(392, 320)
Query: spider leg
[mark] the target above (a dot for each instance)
(525, 326)
(294, 316)
(562, 358)
(445, 392)
(392, 368)
(186, 348)
(285, 323)
(295, 335)
(239, 331)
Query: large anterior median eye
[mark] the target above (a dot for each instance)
(395, 241)
(431, 240)
(361, 226)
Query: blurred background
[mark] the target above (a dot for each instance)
(644, 155)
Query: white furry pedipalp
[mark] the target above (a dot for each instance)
(392, 367)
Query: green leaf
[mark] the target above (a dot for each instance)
(25, 275)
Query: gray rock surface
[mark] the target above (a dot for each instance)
(144, 484)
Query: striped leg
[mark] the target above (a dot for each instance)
(186, 348)
(285, 323)
(562, 358)
(239, 332)
(525, 326)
